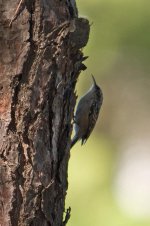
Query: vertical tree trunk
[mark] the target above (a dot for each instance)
(40, 60)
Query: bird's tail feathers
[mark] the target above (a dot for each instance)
(74, 140)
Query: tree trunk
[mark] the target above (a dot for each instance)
(40, 60)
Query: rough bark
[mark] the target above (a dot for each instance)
(40, 60)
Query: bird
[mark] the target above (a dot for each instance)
(87, 113)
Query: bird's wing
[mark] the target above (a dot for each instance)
(92, 118)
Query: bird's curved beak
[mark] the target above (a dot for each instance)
(94, 80)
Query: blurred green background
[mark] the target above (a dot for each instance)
(109, 177)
